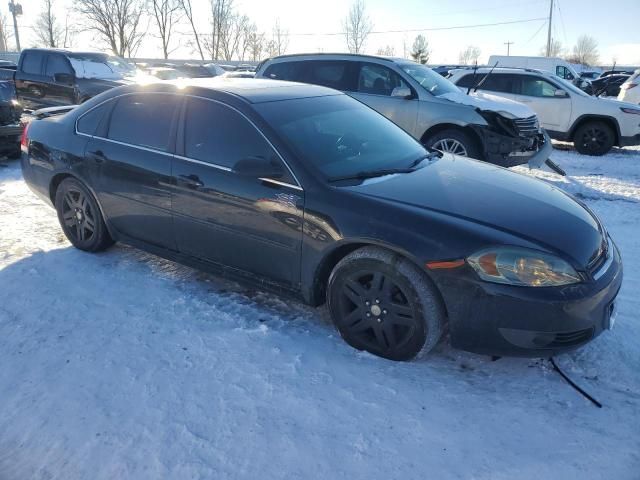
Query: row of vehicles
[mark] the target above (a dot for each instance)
(305, 190)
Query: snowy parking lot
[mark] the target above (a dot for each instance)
(122, 365)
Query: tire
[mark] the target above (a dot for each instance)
(594, 138)
(454, 141)
(80, 217)
(382, 303)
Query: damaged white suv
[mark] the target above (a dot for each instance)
(425, 104)
(593, 124)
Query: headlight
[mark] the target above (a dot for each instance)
(633, 111)
(521, 266)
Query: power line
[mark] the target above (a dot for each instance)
(432, 29)
(537, 32)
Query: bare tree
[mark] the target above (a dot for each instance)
(256, 44)
(280, 39)
(387, 51)
(357, 27)
(166, 13)
(5, 33)
(556, 49)
(117, 22)
(187, 9)
(469, 55)
(420, 49)
(585, 52)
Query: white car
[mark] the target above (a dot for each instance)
(630, 90)
(593, 124)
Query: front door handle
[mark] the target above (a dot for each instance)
(190, 181)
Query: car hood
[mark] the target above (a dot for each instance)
(498, 198)
(492, 103)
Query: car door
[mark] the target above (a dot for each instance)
(247, 223)
(131, 154)
(375, 87)
(58, 82)
(554, 111)
(30, 78)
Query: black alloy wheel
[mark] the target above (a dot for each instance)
(80, 217)
(594, 138)
(376, 312)
(383, 304)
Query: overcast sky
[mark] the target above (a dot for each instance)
(315, 25)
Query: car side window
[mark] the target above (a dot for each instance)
(292, 71)
(329, 73)
(217, 134)
(88, 123)
(537, 87)
(143, 120)
(378, 80)
(57, 64)
(32, 63)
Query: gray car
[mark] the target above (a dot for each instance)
(425, 104)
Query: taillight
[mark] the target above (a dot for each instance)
(24, 139)
(628, 86)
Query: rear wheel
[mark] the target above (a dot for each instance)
(383, 304)
(80, 217)
(594, 138)
(453, 141)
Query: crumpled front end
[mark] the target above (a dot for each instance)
(513, 141)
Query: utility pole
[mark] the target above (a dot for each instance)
(15, 9)
(549, 31)
(508, 44)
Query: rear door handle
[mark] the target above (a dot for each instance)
(97, 156)
(190, 181)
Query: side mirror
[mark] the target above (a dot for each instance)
(258, 167)
(559, 93)
(402, 92)
(64, 78)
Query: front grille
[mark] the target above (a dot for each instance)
(527, 127)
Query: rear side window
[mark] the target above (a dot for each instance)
(537, 87)
(332, 74)
(57, 64)
(496, 82)
(143, 120)
(32, 63)
(219, 135)
(292, 71)
(88, 123)
(378, 80)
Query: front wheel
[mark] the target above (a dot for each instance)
(80, 217)
(453, 141)
(383, 304)
(594, 138)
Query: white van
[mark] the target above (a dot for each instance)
(556, 66)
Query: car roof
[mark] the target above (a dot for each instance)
(251, 90)
(525, 71)
(349, 56)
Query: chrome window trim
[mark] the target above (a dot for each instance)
(193, 160)
(206, 164)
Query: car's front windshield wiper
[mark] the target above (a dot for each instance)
(385, 171)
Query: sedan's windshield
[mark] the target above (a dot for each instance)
(340, 137)
(431, 81)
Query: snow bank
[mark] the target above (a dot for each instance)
(122, 365)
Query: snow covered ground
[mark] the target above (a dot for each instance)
(125, 366)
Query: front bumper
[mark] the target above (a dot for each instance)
(495, 319)
(508, 151)
(630, 141)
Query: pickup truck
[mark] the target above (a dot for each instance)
(52, 77)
